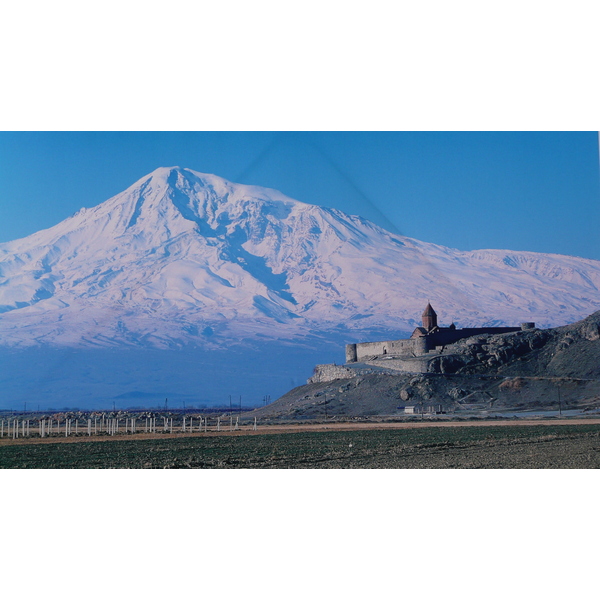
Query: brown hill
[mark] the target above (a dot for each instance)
(528, 369)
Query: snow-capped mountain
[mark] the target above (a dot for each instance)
(185, 259)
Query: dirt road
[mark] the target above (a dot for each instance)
(247, 430)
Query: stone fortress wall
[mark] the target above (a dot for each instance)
(412, 355)
(418, 346)
(370, 350)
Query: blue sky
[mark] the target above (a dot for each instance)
(533, 191)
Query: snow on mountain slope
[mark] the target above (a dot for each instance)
(187, 259)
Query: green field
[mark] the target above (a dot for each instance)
(538, 446)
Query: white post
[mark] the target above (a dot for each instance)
(95, 426)
(76, 424)
(191, 425)
(236, 422)
(146, 430)
(230, 423)
(183, 426)
(89, 427)
(206, 424)
(218, 423)
(254, 423)
(2, 430)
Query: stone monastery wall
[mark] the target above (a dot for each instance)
(366, 350)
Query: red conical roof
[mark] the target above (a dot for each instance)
(429, 312)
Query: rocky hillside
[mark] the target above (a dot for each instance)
(569, 351)
(530, 369)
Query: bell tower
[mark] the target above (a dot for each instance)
(429, 318)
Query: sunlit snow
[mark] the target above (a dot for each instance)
(187, 260)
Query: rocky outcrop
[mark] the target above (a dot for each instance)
(522, 370)
(569, 351)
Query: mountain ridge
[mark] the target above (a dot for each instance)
(185, 258)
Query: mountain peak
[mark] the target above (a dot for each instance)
(180, 253)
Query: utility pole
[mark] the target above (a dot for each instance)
(559, 403)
